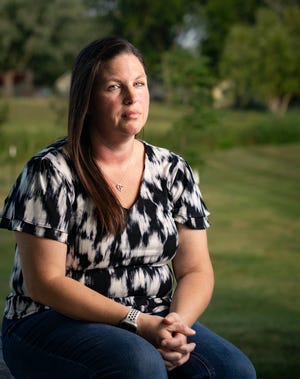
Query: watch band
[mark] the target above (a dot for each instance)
(130, 321)
(133, 315)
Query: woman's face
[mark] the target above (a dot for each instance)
(120, 98)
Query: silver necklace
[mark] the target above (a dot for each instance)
(118, 185)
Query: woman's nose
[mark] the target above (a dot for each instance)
(129, 96)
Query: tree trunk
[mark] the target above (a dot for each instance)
(285, 103)
(8, 83)
(279, 104)
(273, 104)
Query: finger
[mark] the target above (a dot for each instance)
(183, 360)
(176, 355)
(174, 346)
(180, 327)
(173, 343)
(169, 365)
(176, 339)
(175, 324)
(171, 356)
(174, 359)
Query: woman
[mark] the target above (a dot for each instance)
(98, 217)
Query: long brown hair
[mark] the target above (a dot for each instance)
(109, 210)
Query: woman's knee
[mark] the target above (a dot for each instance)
(223, 358)
(234, 364)
(243, 368)
(141, 360)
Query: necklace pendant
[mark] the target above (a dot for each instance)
(119, 187)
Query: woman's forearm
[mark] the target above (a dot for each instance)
(75, 300)
(43, 263)
(192, 295)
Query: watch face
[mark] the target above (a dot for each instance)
(130, 321)
(128, 326)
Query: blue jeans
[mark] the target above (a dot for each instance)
(50, 345)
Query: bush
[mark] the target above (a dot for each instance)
(275, 130)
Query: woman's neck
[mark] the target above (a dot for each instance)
(113, 152)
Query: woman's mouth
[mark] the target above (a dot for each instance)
(131, 115)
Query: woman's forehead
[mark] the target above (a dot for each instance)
(122, 65)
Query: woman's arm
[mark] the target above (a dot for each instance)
(194, 275)
(195, 281)
(43, 263)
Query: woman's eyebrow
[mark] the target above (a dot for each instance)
(116, 79)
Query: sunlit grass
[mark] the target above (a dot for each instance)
(253, 195)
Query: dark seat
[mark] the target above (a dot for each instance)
(4, 371)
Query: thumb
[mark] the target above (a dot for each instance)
(170, 319)
(176, 325)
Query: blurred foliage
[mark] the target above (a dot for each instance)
(41, 36)
(263, 60)
(186, 77)
(188, 81)
(152, 26)
(254, 43)
(274, 131)
(220, 16)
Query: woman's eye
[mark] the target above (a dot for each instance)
(113, 87)
(139, 84)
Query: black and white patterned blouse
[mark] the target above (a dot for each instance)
(132, 268)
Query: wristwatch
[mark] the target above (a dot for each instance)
(130, 321)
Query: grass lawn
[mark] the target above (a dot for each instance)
(253, 196)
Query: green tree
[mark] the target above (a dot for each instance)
(239, 63)
(186, 77)
(41, 36)
(188, 81)
(151, 25)
(263, 60)
(220, 16)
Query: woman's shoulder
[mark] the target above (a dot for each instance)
(56, 150)
(53, 157)
(169, 164)
(161, 154)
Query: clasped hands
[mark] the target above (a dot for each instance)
(170, 338)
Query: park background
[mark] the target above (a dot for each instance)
(225, 86)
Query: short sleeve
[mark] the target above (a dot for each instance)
(189, 207)
(38, 203)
